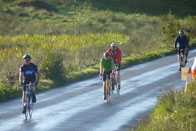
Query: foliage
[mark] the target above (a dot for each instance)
(176, 110)
(52, 66)
(170, 25)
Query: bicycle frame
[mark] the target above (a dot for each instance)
(29, 104)
(182, 58)
(108, 89)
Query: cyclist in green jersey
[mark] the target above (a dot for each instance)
(107, 67)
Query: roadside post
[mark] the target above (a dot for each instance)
(188, 73)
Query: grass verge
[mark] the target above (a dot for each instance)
(175, 111)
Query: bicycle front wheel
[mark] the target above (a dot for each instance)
(30, 108)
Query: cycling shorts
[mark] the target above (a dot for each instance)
(105, 74)
(118, 66)
(24, 88)
(185, 51)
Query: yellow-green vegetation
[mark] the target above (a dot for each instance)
(66, 38)
(175, 111)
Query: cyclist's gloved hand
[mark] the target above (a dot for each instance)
(36, 82)
(100, 74)
(21, 84)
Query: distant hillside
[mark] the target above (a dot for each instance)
(66, 16)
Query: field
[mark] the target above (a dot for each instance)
(67, 38)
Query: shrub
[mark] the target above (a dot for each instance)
(169, 25)
(52, 66)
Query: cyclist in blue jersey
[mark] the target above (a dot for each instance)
(28, 72)
(181, 42)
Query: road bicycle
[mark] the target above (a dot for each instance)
(108, 88)
(182, 58)
(28, 101)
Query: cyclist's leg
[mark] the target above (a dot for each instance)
(118, 74)
(32, 90)
(104, 85)
(186, 55)
(179, 59)
(24, 99)
(112, 81)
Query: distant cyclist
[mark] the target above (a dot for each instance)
(107, 66)
(28, 72)
(181, 42)
(115, 53)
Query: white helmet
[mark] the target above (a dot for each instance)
(113, 44)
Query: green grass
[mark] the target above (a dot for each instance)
(175, 111)
(67, 38)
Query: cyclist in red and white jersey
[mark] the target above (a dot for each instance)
(115, 53)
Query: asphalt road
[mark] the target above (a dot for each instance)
(80, 107)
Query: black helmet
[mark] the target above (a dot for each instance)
(26, 56)
(181, 32)
(106, 54)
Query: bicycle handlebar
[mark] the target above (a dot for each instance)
(26, 85)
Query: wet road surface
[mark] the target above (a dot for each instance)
(79, 106)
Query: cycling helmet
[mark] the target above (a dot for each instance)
(181, 32)
(106, 54)
(26, 56)
(113, 44)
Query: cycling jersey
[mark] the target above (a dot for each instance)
(107, 64)
(183, 42)
(29, 72)
(116, 55)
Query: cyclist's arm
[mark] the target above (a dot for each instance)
(119, 56)
(187, 43)
(21, 77)
(176, 42)
(38, 76)
(101, 70)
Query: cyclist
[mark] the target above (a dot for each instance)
(115, 53)
(28, 72)
(107, 66)
(181, 42)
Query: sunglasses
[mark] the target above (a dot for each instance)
(27, 60)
